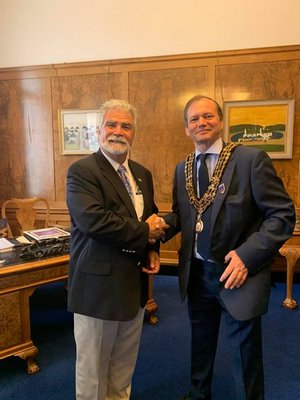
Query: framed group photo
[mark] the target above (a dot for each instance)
(266, 124)
(78, 131)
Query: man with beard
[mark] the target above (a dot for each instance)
(114, 227)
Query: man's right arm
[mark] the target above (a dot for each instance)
(172, 219)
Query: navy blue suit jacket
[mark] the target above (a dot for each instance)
(108, 243)
(251, 213)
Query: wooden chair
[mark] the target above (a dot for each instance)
(22, 214)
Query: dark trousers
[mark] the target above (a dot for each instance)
(244, 338)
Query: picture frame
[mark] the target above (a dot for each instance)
(265, 124)
(46, 233)
(78, 131)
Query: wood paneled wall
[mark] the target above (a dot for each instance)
(30, 97)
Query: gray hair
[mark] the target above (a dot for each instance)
(117, 104)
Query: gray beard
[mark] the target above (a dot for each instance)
(116, 148)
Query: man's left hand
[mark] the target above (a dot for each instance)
(236, 272)
(153, 263)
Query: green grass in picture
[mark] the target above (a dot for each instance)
(269, 148)
(71, 146)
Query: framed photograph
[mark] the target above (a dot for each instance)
(46, 233)
(78, 131)
(266, 124)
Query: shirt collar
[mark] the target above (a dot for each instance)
(116, 164)
(215, 148)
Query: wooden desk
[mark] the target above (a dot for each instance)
(17, 283)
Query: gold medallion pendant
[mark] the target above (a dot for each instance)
(199, 225)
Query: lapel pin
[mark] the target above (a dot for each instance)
(222, 188)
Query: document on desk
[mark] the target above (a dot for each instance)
(5, 245)
(22, 240)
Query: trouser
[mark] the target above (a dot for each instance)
(106, 354)
(244, 338)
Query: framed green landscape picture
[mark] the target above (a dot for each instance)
(266, 124)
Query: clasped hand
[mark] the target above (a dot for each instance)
(157, 227)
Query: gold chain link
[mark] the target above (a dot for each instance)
(208, 197)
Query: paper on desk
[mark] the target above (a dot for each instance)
(23, 240)
(5, 245)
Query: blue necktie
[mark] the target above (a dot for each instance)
(123, 176)
(203, 239)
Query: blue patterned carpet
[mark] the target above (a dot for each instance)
(162, 371)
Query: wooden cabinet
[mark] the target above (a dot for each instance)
(17, 283)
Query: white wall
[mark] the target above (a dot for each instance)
(34, 32)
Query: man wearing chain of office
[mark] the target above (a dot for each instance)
(234, 214)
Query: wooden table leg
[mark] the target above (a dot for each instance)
(291, 254)
(151, 306)
(29, 355)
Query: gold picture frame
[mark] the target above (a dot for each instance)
(78, 131)
(266, 124)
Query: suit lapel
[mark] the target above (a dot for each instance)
(112, 176)
(222, 189)
(182, 184)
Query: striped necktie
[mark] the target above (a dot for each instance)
(122, 173)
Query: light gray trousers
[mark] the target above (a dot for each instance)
(106, 354)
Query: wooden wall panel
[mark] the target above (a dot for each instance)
(79, 92)
(262, 81)
(26, 161)
(30, 97)
(161, 142)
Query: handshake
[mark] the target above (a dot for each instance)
(157, 228)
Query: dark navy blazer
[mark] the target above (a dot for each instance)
(251, 213)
